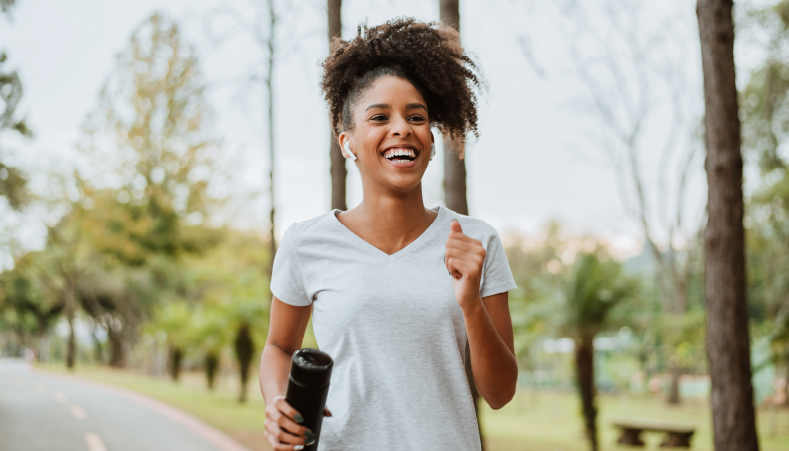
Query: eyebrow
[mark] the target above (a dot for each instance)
(386, 106)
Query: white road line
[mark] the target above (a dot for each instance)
(60, 397)
(94, 442)
(78, 412)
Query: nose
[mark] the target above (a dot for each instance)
(400, 127)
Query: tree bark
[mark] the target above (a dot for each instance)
(337, 170)
(728, 345)
(176, 355)
(117, 359)
(675, 370)
(584, 372)
(71, 346)
(211, 363)
(454, 168)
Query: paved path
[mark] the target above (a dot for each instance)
(45, 412)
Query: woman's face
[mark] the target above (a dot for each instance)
(391, 136)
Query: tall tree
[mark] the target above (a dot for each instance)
(150, 144)
(728, 345)
(338, 172)
(269, 82)
(455, 185)
(150, 138)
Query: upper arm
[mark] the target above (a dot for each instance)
(498, 309)
(287, 325)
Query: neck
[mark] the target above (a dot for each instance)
(394, 213)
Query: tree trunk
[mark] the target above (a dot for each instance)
(728, 345)
(116, 346)
(338, 172)
(786, 385)
(211, 363)
(245, 348)
(675, 370)
(455, 189)
(71, 347)
(584, 373)
(176, 355)
(270, 117)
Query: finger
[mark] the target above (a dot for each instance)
(465, 246)
(474, 256)
(282, 436)
(287, 409)
(326, 412)
(455, 226)
(288, 424)
(277, 446)
(452, 267)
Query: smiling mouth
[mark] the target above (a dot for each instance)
(400, 154)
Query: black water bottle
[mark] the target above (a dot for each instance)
(308, 386)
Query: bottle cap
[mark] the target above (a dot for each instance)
(311, 368)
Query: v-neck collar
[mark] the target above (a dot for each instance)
(378, 252)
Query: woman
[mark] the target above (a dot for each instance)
(376, 276)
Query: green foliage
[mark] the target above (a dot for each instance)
(765, 111)
(594, 287)
(24, 304)
(765, 104)
(151, 143)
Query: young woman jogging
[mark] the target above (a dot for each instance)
(395, 288)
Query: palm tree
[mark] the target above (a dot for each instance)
(173, 318)
(594, 287)
(210, 328)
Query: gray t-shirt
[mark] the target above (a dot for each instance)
(394, 329)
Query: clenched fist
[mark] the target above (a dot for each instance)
(464, 258)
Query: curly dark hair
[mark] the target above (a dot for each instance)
(428, 55)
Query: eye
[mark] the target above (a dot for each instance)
(417, 117)
(378, 118)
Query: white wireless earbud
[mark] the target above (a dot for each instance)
(347, 148)
(432, 151)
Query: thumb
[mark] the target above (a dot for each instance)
(455, 226)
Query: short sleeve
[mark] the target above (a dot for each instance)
(496, 274)
(287, 281)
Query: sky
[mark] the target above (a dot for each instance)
(536, 160)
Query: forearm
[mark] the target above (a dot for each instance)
(274, 371)
(492, 362)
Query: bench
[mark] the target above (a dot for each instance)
(677, 435)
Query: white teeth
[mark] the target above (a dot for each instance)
(399, 153)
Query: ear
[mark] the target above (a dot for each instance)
(341, 140)
(432, 138)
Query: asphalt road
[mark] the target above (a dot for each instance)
(46, 412)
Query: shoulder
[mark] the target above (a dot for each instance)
(473, 227)
(309, 230)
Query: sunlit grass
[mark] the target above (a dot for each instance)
(533, 421)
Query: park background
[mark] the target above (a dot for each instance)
(152, 152)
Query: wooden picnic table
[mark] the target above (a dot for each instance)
(677, 435)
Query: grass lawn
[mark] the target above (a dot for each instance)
(533, 421)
